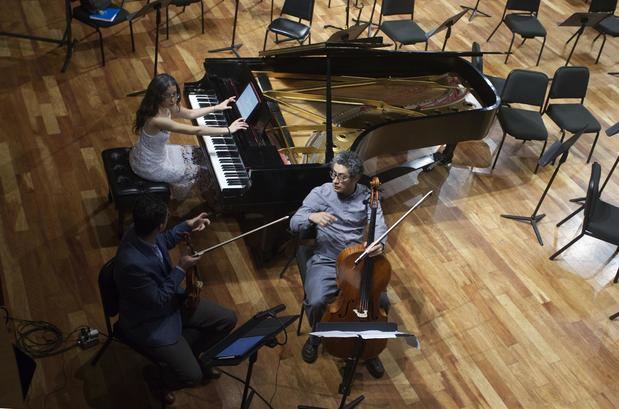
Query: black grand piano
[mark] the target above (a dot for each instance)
(304, 103)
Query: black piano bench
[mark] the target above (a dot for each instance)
(125, 186)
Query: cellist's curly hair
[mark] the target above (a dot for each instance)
(153, 98)
(351, 161)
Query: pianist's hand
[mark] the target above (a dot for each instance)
(238, 124)
(199, 222)
(225, 105)
(322, 218)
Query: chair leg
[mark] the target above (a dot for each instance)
(494, 31)
(574, 213)
(509, 50)
(132, 39)
(539, 57)
(615, 315)
(616, 279)
(498, 152)
(101, 47)
(301, 317)
(264, 46)
(101, 351)
(167, 23)
(562, 249)
(426, 49)
(593, 146)
(601, 48)
(540, 156)
(202, 11)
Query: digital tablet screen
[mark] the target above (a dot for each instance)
(239, 347)
(247, 102)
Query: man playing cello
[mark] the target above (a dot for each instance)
(340, 212)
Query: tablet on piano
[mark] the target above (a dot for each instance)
(247, 102)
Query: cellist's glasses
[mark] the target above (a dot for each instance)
(339, 176)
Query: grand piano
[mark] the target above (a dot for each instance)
(306, 103)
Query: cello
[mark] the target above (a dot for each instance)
(360, 280)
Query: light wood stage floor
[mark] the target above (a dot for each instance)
(501, 326)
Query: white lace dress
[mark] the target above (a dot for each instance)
(155, 159)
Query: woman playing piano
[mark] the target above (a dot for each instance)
(152, 157)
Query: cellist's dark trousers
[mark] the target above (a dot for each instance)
(209, 323)
(321, 287)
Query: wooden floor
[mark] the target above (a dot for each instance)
(500, 325)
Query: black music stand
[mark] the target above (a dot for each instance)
(610, 132)
(347, 17)
(558, 148)
(64, 40)
(581, 20)
(156, 5)
(245, 341)
(475, 10)
(446, 25)
(232, 47)
(356, 330)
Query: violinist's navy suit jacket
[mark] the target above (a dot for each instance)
(150, 296)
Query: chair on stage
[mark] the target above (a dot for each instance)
(109, 299)
(529, 88)
(572, 83)
(183, 4)
(478, 62)
(293, 30)
(81, 14)
(403, 31)
(523, 22)
(608, 26)
(601, 219)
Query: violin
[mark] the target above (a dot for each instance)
(360, 280)
(193, 281)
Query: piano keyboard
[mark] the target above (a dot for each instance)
(222, 150)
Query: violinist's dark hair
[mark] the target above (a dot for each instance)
(153, 99)
(149, 212)
(351, 161)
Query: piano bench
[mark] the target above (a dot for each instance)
(125, 186)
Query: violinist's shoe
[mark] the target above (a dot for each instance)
(375, 367)
(310, 349)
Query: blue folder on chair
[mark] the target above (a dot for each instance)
(108, 14)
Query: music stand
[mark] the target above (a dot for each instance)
(446, 25)
(362, 331)
(610, 132)
(244, 342)
(475, 10)
(551, 155)
(581, 20)
(234, 47)
(347, 18)
(155, 5)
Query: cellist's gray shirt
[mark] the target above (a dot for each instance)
(352, 212)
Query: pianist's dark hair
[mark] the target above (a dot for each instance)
(351, 160)
(153, 99)
(149, 212)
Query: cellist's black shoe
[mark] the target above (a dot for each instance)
(310, 349)
(375, 367)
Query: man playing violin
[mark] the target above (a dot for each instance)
(151, 298)
(340, 213)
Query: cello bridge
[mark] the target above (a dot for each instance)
(361, 314)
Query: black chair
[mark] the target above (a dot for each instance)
(403, 31)
(81, 14)
(608, 26)
(523, 87)
(601, 219)
(478, 62)
(109, 299)
(125, 186)
(183, 4)
(523, 22)
(572, 83)
(292, 30)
